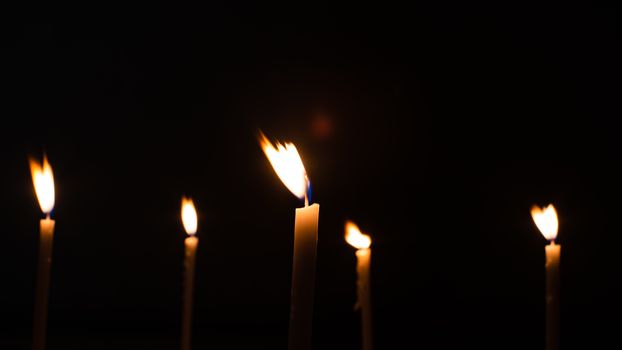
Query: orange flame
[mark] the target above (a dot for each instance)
(354, 236)
(43, 179)
(188, 215)
(287, 164)
(546, 220)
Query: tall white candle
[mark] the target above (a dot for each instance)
(303, 277)
(363, 262)
(548, 224)
(43, 180)
(288, 165)
(189, 219)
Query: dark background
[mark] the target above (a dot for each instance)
(435, 128)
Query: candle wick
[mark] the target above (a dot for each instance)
(47, 216)
(308, 190)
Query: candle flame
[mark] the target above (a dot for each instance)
(43, 179)
(354, 236)
(188, 215)
(287, 164)
(546, 220)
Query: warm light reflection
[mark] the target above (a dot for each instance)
(43, 179)
(287, 163)
(354, 236)
(188, 215)
(546, 220)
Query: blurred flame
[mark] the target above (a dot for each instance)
(188, 215)
(354, 236)
(546, 220)
(43, 179)
(287, 163)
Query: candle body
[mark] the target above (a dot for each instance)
(46, 239)
(303, 277)
(191, 244)
(364, 295)
(553, 252)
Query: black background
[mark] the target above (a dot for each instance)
(435, 128)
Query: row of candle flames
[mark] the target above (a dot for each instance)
(288, 165)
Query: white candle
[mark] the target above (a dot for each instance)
(303, 277)
(363, 258)
(189, 219)
(288, 165)
(43, 180)
(547, 222)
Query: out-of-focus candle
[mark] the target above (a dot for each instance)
(43, 180)
(189, 219)
(288, 165)
(548, 224)
(362, 243)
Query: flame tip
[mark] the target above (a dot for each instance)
(189, 215)
(287, 164)
(546, 221)
(355, 237)
(43, 181)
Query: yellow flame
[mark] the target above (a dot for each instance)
(287, 163)
(188, 215)
(43, 179)
(354, 236)
(546, 220)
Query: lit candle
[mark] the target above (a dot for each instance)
(547, 223)
(43, 180)
(362, 243)
(189, 219)
(287, 163)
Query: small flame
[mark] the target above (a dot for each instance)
(354, 236)
(546, 220)
(188, 215)
(287, 163)
(43, 179)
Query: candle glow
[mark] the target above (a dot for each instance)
(43, 180)
(189, 220)
(287, 164)
(189, 216)
(362, 243)
(355, 238)
(546, 221)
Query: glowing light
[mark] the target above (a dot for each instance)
(287, 164)
(188, 216)
(546, 220)
(354, 236)
(43, 179)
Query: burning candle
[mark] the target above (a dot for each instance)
(547, 223)
(43, 180)
(288, 166)
(189, 219)
(362, 242)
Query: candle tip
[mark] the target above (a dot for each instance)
(355, 237)
(287, 164)
(189, 216)
(43, 180)
(546, 220)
